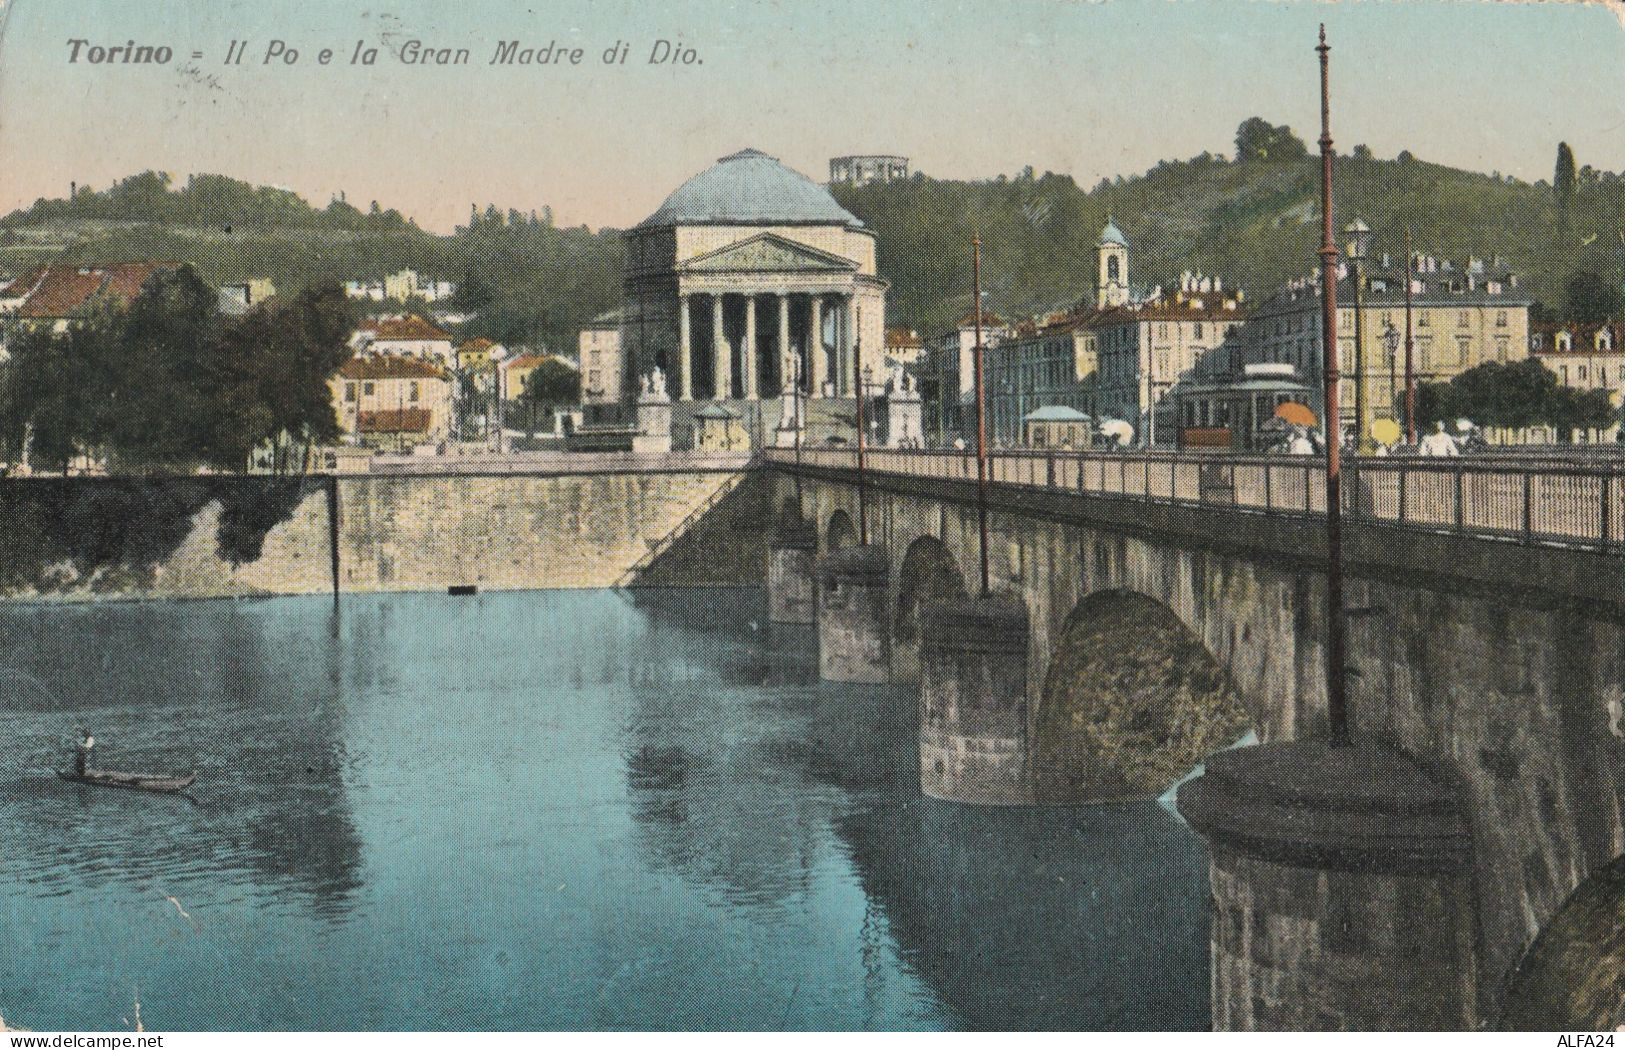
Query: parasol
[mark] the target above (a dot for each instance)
(1296, 413)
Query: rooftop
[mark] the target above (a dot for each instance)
(1056, 414)
(390, 366)
(61, 290)
(750, 188)
(403, 328)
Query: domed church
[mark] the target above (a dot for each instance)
(749, 275)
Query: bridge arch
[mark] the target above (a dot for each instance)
(1131, 701)
(1573, 974)
(929, 574)
(840, 532)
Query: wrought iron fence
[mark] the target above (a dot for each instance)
(1574, 504)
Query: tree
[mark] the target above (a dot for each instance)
(1523, 394)
(1258, 139)
(1570, 410)
(270, 385)
(1563, 178)
(550, 383)
(46, 405)
(156, 392)
(1362, 152)
(1589, 298)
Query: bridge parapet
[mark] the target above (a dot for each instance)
(1579, 505)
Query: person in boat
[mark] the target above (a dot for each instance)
(81, 755)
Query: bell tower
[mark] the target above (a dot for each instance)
(1111, 280)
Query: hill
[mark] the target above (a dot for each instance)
(533, 283)
(1251, 219)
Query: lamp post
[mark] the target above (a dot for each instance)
(1390, 339)
(1336, 672)
(1359, 245)
(858, 389)
(498, 355)
(981, 411)
(1410, 344)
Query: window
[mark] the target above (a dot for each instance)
(1422, 319)
(1462, 346)
(413, 396)
(1501, 345)
(1580, 373)
(1500, 318)
(1112, 269)
(592, 380)
(1162, 329)
(367, 389)
(1196, 332)
(1461, 319)
(349, 391)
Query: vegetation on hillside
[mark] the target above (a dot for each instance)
(1250, 218)
(532, 283)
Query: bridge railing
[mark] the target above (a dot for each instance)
(1528, 501)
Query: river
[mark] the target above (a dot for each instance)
(540, 810)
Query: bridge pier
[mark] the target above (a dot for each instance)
(973, 701)
(792, 592)
(853, 635)
(1342, 890)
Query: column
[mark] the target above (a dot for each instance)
(973, 701)
(783, 348)
(815, 347)
(751, 360)
(850, 363)
(685, 353)
(721, 367)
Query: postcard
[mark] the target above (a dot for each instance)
(734, 516)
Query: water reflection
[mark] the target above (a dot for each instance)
(248, 697)
(551, 810)
(1034, 918)
(1090, 918)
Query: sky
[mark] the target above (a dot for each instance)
(964, 88)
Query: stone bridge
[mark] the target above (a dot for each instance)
(1436, 874)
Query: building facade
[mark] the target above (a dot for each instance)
(747, 274)
(400, 287)
(1146, 349)
(55, 296)
(409, 336)
(1461, 317)
(1583, 357)
(863, 169)
(1049, 364)
(392, 402)
(599, 345)
(947, 377)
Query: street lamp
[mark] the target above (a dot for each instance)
(1359, 246)
(498, 354)
(1390, 339)
(1410, 344)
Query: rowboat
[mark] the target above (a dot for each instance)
(133, 781)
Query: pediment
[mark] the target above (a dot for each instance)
(768, 253)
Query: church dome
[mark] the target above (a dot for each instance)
(1111, 234)
(749, 187)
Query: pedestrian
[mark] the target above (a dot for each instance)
(81, 755)
(1438, 443)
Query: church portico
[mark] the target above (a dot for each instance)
(749, 276)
